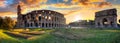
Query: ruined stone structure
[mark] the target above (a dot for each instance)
(40, 19)
(82, 23)
(106, 18)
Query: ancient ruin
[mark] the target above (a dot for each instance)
(106, 18)
(40, 19)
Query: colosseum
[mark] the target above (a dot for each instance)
(40, 19)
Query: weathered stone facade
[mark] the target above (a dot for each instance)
(106, 18)
(40, 19)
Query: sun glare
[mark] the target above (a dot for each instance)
(77, 17)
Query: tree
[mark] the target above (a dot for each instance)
(119, 20)
(6, 23)
(9, 23)
(1, 22)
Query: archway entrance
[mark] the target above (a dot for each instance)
(105, 22)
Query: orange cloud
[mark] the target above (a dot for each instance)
(9, 14)
(2, 3)
(35, 1)
(74, 1)
(26, 9)
(31, 3)
(103, 4)
(63, 5)
(65, 0)
(91, 3)
(97, 0)
(84, 1)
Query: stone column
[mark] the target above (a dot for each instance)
(28, 24)
(41, 21)
(109, 24)
(96, 24)
(115, 22)
(101, 24)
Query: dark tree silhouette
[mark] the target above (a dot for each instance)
(119, 20)
(6, 23)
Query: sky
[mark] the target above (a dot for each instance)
(73, 10)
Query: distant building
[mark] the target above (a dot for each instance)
(40, 19)
(82, 23)
(106, 18)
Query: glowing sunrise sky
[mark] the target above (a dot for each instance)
(72, 9)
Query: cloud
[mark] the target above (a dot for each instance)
(86, 1)
(65, 0)
(63, 5)
(103, 4)
(97, 0)
(91, 3)
(5, 7)
(32, 2)
(10, 14)
(30, 5)
(2, 3)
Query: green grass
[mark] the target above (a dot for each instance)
(7, 39)
(83, 36)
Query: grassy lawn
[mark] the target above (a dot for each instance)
(6, 38)
(68, 36)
